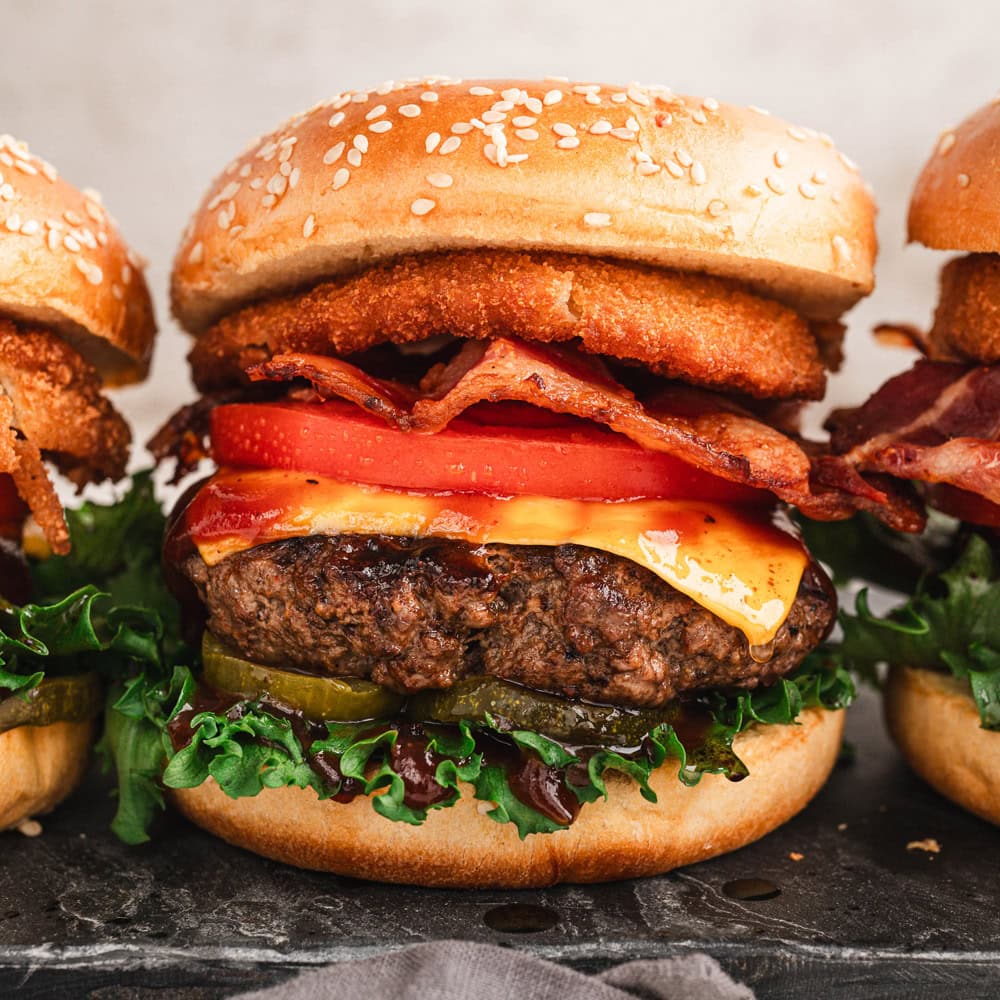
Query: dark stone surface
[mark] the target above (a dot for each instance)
(189, 917)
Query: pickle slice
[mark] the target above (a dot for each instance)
(473, 698)
(323, 699)
(56, 699)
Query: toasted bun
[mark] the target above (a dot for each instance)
(39, 767)
(63, 264)
(624, 837)
(962, 761)
(628, 172)
(956, 203)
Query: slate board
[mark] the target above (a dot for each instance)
(189, 917)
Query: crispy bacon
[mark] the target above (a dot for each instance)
(710, 432)
(936, 423)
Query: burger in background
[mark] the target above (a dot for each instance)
(938, 425)
(498, 378)
(75, 314)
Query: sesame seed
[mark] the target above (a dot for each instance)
(359, 98)
(503, 106)
(568, 142)
(223, 219)
(775, 184)
(334, 153)
(633, 124)
(91, 272)
(450, 145)
(673, 169)
(52, 240)
(431, 142)
(946, 143)
(354, 157)
(490, 152)
(477, 123)
(586, 88)
(623, 133)
(963, 180)
(461, 128)
(74, 219)
(376, 112)
(6, 192)
(409, 110)
(361, 143)
(848, 162)
(597, 219)
(759, 110)
(49, 171)
(648, 169)
(841, 249)
(118, 292)
(284, 168)
(71, 244)
(517, 157)
(527, 134)
(552, 97)
(636, 95)
(601, 127)
(511, 94)
(26, 168)
(293, 179)
(710, 104)
(619, 98)
(493, 117)
(340, 178)
(336, 119)
(380, 127)
(439, 180)
(30, 227)
(683, 158)
(699, 116)
(126, 273)
(781, 157)
(429, 97)
(533, 104)
(796, 133)
(807, 190)
(197, 254)
(523, 121)
(422, 206)
(277, 185)
(698, 175)
(561, 128)
(716, 207)
(309, 226)
(13, 224)
(819, 177)
(477, 92)
(257, 183)
(836, 197)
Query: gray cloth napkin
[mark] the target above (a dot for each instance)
(455, 970)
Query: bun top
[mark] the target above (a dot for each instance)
(956, 203)
(632, 172)
(64, 264)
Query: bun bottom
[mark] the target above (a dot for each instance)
(461, 847)
(920, 702)
(39, 767)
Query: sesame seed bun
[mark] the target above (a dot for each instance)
(956, 203)
(630, 172)
(625, 837)
(39, 767)
(64, 265)
(935, 723)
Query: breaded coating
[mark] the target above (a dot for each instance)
(700, 329)
(51, 406)
(967, 320)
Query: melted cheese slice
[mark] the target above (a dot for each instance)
(734, 561)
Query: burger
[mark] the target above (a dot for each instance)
(493, 582)
(75, 315)
(938, 425)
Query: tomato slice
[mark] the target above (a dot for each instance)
(566, 458)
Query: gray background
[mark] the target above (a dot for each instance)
(147, 101)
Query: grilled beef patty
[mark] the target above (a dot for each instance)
(421, 613)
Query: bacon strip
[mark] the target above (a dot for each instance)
(710, 433)
(936, 423)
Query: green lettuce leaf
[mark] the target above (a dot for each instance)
(952, 621)
(249, 748)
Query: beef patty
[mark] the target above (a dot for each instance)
(421, 613)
